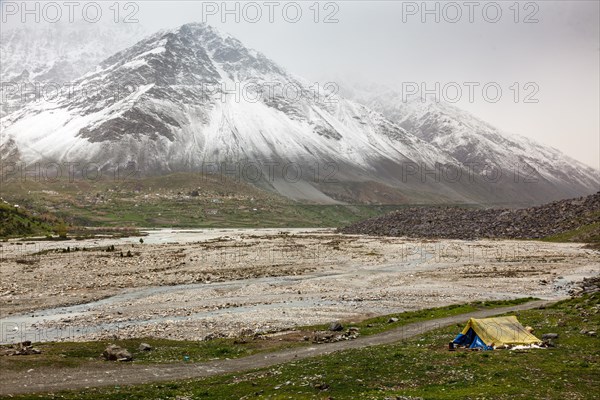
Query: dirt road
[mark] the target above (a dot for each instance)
(52, 380)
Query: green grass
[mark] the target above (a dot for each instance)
(81, 354)
(165, 202)
(421, 367)
(380, 324)
(18, 222)
(587, 234)
(78, 354)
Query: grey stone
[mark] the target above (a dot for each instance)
(116, 353)
(144, 347)
(336, 327)
(546, 336)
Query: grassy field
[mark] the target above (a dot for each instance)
(418, 368)
(178, 201)
(86, 354)
(18, 222)
(182, 200)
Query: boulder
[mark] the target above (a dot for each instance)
(144, 347)
(23, 349)
(116, 353)
(549, 336)
(336, 327)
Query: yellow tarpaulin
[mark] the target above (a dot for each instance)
(500, 331)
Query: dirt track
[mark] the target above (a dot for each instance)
(52, 380)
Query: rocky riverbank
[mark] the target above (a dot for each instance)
(251, 281)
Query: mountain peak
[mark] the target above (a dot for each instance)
(201, 28)
(178, 100)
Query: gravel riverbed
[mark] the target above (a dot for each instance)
(207, 283)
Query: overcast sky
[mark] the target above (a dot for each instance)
(554, 57)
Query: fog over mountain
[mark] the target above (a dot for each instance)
(166, 105)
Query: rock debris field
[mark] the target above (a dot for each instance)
(198, 285)
(469, 223)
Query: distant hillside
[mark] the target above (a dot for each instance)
(575, 220)
(17, 222)
(182, 200)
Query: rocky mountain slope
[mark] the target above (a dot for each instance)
(463, 223)
(194, 99)
(190, 97)
(536, 169)
(48, 57)
(61, 52)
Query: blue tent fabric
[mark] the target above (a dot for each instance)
(464, 340)
(471, 340)
(478, 344)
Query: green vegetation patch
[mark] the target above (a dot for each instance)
(88, 354)
(584, 234)
(384, 323)
(80, 354)
(420, 368)
(15, 221)
(182, 200)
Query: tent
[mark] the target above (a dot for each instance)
(488, 333)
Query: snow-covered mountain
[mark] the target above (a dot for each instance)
(54, 54)
(62, 52)
(190, 98)
(483, 148)
(163, 105)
